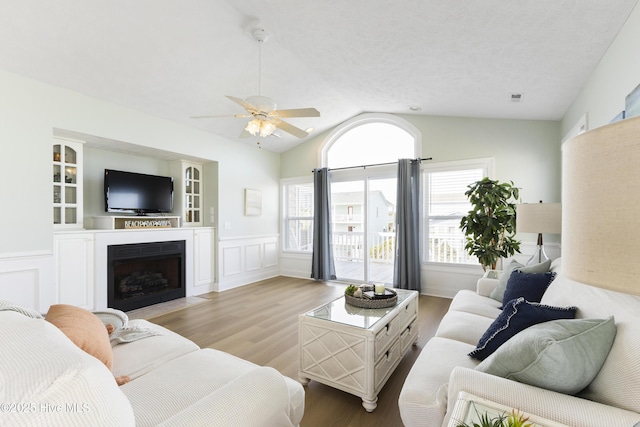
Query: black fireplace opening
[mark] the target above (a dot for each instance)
(143, 274)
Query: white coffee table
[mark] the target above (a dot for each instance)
(356, 349)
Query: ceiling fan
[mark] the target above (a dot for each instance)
(265, 118)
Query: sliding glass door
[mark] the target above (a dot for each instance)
(363, 218)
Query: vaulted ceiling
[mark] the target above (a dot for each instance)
(175, 59)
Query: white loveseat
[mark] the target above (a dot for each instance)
(46, 379)
(444, 369)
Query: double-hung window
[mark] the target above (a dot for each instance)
(445, 204)
(298, 217)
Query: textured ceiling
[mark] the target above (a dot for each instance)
(175, 59)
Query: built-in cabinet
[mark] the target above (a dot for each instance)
(67, 183)
(188, 191)
(203, 253)
(73, 266)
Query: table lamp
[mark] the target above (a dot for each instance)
(539, 218)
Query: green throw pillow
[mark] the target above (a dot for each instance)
(498, 292)
(560, 355)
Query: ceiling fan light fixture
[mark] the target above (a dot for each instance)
(253, 127)
(267, 128)
(260, 127)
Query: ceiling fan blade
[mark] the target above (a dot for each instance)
(291, 129)
(298, 112)
(241, 116)
(250, 108)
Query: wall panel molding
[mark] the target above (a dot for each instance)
(26, 279)
(247, 259)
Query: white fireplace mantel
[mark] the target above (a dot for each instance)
(105, 239)
(81, 261)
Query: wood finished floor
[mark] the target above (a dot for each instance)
(259, 323)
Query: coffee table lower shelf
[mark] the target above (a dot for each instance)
(356, 354)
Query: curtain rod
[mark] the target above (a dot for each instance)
(374, 164)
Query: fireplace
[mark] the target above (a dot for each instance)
(143, 274)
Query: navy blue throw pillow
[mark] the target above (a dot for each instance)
(517, 315)
(530, 286)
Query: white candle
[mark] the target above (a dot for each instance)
(379, 289)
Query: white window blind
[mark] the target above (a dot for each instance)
(445, 205)
(298, 220)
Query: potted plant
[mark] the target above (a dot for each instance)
(490, 225)
(515, 419)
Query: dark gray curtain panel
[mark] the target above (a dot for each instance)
(322, 265)
(406, 271)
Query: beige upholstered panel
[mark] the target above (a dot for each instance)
(601, 207)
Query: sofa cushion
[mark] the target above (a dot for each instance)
(462, 326)
(140, 357)
(423, 397)
(560, 355)
(256, 398)
(193, 377)
(516, 316)
(498, 292)
(618, 382)
(84, 328)
(470, 302)
(530, 286)
(42, 367)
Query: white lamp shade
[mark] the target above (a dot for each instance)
(601, 208)
(539, 218)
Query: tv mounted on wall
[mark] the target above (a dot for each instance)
(136, 192)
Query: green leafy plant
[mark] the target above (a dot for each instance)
(350, 290)
(515, 419)
(490, 225)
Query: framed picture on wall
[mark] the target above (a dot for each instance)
(252, 202)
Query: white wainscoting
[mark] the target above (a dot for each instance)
(27, 279)
(247, 259)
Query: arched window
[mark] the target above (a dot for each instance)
(370, 139)
(363, 199)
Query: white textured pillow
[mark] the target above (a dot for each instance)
(618, 382)
(560, 355)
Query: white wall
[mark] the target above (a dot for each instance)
(617, 74)
(526, 152)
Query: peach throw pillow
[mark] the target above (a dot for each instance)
(84, 328)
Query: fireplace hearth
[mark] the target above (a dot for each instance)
(143, 274)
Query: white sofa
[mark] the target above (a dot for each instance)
(46, 379)
(444, 369)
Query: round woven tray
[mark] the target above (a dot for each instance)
(372, 303)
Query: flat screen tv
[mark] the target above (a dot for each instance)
(136, 192)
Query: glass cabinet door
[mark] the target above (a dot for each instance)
(193, 195)
(67, 184)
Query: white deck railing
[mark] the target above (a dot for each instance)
(349, 246)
